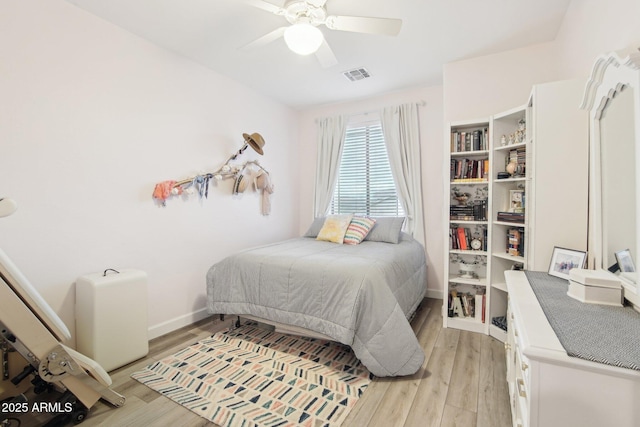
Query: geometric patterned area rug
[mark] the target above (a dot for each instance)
(252, 377)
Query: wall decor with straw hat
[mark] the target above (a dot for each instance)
(243, 175)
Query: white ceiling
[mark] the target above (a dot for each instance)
(433, 33)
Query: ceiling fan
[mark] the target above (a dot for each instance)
(303, 36)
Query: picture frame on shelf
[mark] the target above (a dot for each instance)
(563, 260)
(625, 261)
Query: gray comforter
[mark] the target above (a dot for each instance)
(360, 295)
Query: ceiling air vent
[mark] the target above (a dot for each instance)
(357, 74)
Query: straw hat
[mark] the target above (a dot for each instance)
(241, 183)
(255, 140)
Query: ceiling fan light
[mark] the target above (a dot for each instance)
(303, 38)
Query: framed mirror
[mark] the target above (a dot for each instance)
(612, 95)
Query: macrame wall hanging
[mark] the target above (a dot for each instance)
(249, 174)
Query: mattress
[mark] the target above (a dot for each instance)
(359, 295)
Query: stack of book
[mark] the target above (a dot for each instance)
(511, 217)
(515, 242)
(475, 211)
(461, 212)
(595, 287)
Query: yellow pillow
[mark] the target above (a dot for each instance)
(334, 228)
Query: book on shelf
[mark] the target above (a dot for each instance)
(471, 140)
(480, 306)
(468, 180)
(467, 305)
(511, 217)
(485, 239)
(468, 170)
(480, 208)
(515, 242)
(460, 238)
(461, 304)
(454, 240)
(476, 211)
(463, 238)
(461, 212)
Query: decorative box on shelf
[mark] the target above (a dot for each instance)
(595, 287)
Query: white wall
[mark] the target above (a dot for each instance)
(91, 117)
(482, 86)
(479, 87)
(431, 138)
(592, 28)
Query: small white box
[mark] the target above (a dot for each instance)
(595, 287)
(593, 294)
(599, 278)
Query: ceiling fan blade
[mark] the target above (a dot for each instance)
(363, 24)
(316, 3)
(265, 5)
(325, 55)
(266, 39)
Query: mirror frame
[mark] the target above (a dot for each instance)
(611, 73)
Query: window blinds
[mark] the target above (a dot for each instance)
(365, 185)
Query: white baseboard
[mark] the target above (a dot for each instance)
(177, 323)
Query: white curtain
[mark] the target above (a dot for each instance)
(331, 135)
(402, 138)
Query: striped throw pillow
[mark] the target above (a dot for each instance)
(358, 230)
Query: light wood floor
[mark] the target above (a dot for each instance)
(462, 384)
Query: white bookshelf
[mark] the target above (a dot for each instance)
(477, 156)
(511, 140)
(553, 149)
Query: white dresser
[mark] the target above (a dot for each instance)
(547, 388)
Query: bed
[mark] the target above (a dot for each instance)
(359, 295)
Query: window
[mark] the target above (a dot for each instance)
(365, 185)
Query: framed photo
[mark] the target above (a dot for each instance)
(563, 260)
(625, 262)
